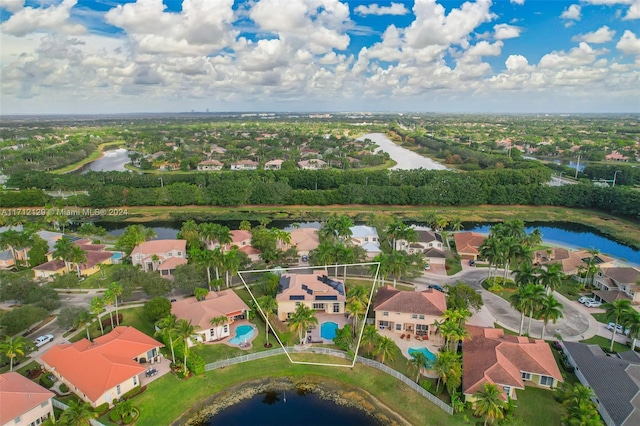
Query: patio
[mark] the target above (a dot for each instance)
(434, 344)
(313, 335)
(246, 343)
(162, 367)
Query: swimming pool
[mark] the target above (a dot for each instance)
(244, 333)
(328, 330)
(116, 257)
(427, 353)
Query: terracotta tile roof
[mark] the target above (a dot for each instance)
(160, 246)
(305, 239)
(249, 250)
(52, 265)
(19, 395)
(95, 367)
(569, 260)
(171, 263)
(94, 258)
(491, 356)
(210, 163)
(214, 305)
(468, 242)
(238, 236)
(428, 302)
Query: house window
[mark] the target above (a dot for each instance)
(297, 304)
(421, 317)
(546, 381)
(422, 327)
(507, 389)
(414, 316)
(526, 376)
(179, 253)
(318, 306)
(135, 380)
(366, 239)
(118, 389)
(383, 323)
(430, 244)
(336, 308)
(18, 419)
(398, 327)
(385, 314)
(225, 329)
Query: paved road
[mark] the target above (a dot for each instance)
(577, 324)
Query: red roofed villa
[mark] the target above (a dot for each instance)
(160, 255)
(507, 361)
(105, 369)
(23, 402)
(468, 244)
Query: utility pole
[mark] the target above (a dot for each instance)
(577, 167)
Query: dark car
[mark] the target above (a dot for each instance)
(436, 287)
(305, 258)
(472, 262)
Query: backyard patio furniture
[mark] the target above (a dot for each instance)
(402, 336)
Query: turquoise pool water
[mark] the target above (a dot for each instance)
(427, 353)
(243, 333)
(117, 255)
(328, 330)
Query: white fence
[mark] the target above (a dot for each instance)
(63, 406)
(375, 364)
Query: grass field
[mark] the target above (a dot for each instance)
(605, 343)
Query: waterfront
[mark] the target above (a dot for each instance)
(113, 160)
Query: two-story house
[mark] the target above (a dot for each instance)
(245, 165)
(316, 290)
(23, 402)
(571, 260)
(408, 311)
(105, 369)
(367, 238)
(160, 255)
(616, 283)
(490, 356)
(426, 239)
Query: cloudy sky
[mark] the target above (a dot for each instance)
(108, 56)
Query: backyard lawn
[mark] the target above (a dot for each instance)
(537, 406)
(133, 317)
(605, 343)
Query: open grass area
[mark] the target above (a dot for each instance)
(453, 265)
(133, 317)
(605, 343)
(537, 406)
(569, 289)
(601, 317)
(167, 398)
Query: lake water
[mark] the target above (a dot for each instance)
(405, 159)
(270, 409)
(559, 233)
(113, 160)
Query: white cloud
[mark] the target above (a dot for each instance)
(629, 43)
(53, 18)
(374, 9)
(518, 2)
(517, 62)
(633, 12)
(601, 35)
(506, 31)
(12, 6)
(573, 12)
(581, 55)
(485, 48)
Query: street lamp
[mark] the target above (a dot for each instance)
(614, 177)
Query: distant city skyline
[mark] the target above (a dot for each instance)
(441, 56)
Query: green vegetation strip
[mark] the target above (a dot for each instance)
(93, 157)
(167, 398)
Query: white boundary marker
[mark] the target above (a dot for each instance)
(326, 267)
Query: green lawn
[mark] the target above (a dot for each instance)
(454, 266)
(133, 317)
(569, 289)
(605, 343)
(601, 317)
(536, 406)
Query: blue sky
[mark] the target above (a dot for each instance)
(484, 56)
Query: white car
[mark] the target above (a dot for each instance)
(592, 304)
(43, 340)
(618, 328)
(585, 299)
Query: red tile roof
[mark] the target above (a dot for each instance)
(52, 265)
(95, 367)
(493, 357)
(225, 302)
(171, 263)
(160, 247)
(18, 395)
(428, 302)
(468, 242)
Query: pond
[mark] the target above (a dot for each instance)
(289, 408)
(113, 160)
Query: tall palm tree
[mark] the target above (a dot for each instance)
(116, 289)
(324, 254)
(302, 318)
(108, 298)
(231, 263)
(616, 311)
(96, 306)
(550, 309)
(222, 235)
(385, 349)
(356, 310)
(13, 347)
(205, 258)
(186, 332)
(268, 305)
(398, 263)
(526, 274)
(84, 319)
(62, 250)
(77, 256)
(488, 403)
(10, 239)
(534, 296)
(78, 413)
(217, 322)
(417, 362)
(551, 277)
(631, 321)
(370, 338)
(456, 224)
(383, 269)
(518, 301)
(592, 263)
(446, 364)
(168, 328)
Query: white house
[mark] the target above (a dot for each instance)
(367, 238)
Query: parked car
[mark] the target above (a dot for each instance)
(436, 287)
(305, 258)
(592, 304)
(585, 299)
(618, 327)
(43, 340)
(472, 262)
(427, 267)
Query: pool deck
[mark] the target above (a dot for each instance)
(339, 319)
(232, 334)
(433, 344)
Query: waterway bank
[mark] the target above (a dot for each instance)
(330, 390)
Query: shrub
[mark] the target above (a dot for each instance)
(102, 409)
(133, 392)
(46, 381)
(496, 288)
(64, 388)
(195, 363)
(157, 308)
(106, 322)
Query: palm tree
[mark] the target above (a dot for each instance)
(77, 256)
(398, 263)
(383, 269)
(302, 318)
(446, 364)
(356, 310)
(526, 274)
(592, 264)
(324, 254)
(205, 258)
(217, 322)
(398, 230)
(518, 302)
(534, 297)
(78, 413)
(632, 322)
(550, 309)
(268, 305)
(417, 362)
(84, 319)
(108, 298)
(370, 338)
(385, 349)
(96, 306)
(616, 311)
(231, 263)
(551, 278)
(10, 239)
(200, 293)
(62, 250)
(116, 289)
(186, 332)
(488, 403)
(168, 327)
(456, 224)
(124, 409)
(13, 348)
